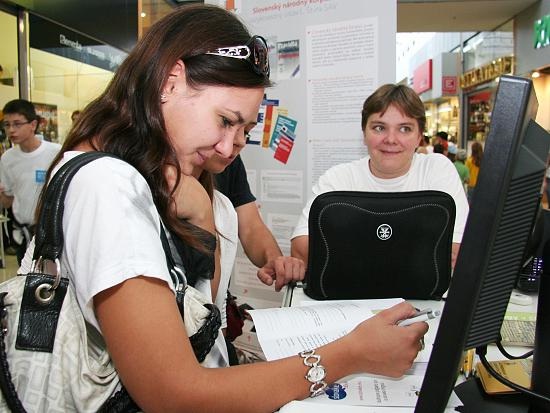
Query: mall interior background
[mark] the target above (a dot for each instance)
(61, 56)
(451, 52)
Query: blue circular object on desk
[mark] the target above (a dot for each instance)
(336, 391)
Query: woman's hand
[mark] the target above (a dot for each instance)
(382, 347)
(281, 271)
(191, 201)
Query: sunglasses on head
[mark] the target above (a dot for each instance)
(255, 52)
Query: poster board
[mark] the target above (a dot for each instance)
(326, 57)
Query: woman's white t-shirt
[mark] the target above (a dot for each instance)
(111, 231)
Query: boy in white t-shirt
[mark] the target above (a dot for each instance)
(23, 167)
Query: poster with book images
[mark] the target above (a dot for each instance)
(288, 59)
(325, 59)
(47, 126)
(284, 125)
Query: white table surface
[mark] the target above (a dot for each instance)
(296, 297)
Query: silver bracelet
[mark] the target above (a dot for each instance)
(316, 374)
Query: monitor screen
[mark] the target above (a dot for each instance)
(500, 223)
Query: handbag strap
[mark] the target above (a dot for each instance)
(6, 382)
(49, 231)
(48, 246)
(176, 274)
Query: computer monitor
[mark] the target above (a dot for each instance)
(500, 223)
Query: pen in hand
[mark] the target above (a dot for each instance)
(424, 315)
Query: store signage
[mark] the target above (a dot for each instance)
(113, 22)
(52, 38)
(502, 66)
(541, 36)
(422, 77)
(448, 85)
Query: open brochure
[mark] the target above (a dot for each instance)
(284, 332)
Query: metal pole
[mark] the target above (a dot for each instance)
(22, 52)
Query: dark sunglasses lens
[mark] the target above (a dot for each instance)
(260, 56)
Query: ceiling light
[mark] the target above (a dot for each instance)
(535, 74)
(143, 14)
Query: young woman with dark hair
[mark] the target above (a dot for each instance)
(190, 87)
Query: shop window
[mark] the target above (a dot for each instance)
(67, 71)
(59, 86)
(443, 115)
(542, 89)
(479, 115)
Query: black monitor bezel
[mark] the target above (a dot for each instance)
(512, 120)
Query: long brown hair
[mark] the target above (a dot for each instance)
(126, 119)
(477, 153)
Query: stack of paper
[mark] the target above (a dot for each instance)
(380, 394)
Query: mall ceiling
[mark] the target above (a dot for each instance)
(412, 15)
(456, 15)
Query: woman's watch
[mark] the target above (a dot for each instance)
(316, 374)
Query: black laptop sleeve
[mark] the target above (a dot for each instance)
(365, 245)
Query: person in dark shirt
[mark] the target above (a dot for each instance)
(233, 183)
(258, 243)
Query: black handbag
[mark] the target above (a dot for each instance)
(365, 245)
(37, 302)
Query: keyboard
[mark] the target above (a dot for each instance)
(516, 332)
